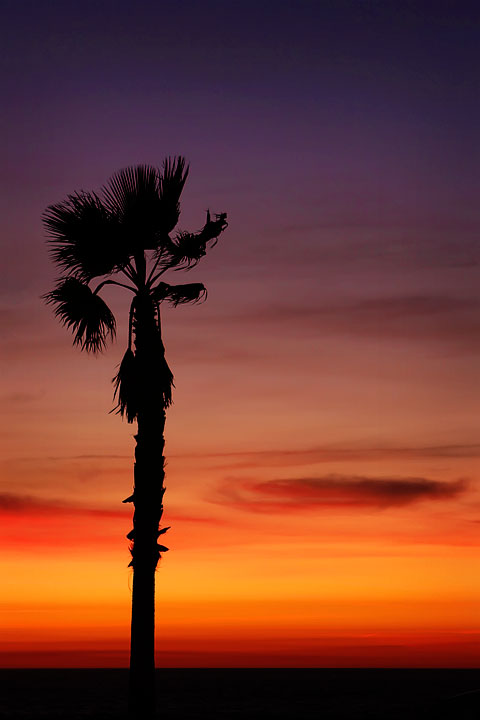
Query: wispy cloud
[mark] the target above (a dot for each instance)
(276, 457)
(23, 504)
(441, 318)
(20, 504)
(315, 455)
(333, 492)
(429, 242)
(19, 399)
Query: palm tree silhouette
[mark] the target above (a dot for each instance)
(125, 233)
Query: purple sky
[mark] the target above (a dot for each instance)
(343, 132)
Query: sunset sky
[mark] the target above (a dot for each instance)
(323, 447)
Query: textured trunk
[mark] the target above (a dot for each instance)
(147, 497)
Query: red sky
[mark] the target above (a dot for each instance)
(323, 448)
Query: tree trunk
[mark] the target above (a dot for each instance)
(147, 497)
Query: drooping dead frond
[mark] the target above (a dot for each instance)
(126, 391)
(187, 249)
(160, 376)
(164, 382)
(133, 196)
(84, 312)
(85, 237)
(135, 380)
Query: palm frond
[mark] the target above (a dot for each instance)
(126, 388)
(160, 376)
(164, 382)
(133, 195)
(84, 312)
(160, 292)
(212, 228)
(85, 237)
(133, 380)
(187, 249)
(172, 180)
(180, 294)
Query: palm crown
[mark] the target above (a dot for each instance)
(126, 232)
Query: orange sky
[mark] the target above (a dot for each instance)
(322, 450)
(307, 529)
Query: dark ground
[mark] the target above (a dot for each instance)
(296, 694)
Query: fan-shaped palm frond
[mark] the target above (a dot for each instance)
(172, 180)
(126, 387)
(133, 196)
(85, 237)
(188, 248)
(179, 294)
(84, 312)
(185, 251)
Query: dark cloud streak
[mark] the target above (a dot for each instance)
(334, 492)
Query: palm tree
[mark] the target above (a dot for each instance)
(124, 236)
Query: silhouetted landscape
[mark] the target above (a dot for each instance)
(247, 693)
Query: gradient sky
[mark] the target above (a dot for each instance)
(323, 448)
